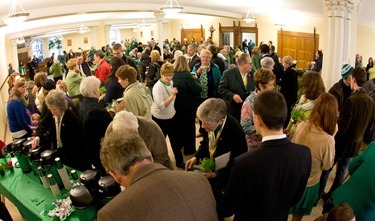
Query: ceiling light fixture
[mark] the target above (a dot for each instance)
(20, 39)
(83, 29)
(15, 17)
(169, 8)
(249, 17)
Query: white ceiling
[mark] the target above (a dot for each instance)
(59, 14)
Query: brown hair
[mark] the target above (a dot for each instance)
(167, 68)
(62, 85)
(126, 71)
(342, 212)
(359, 75)
(16, 94)
(325, 113)
(40, 78)
(263, 76)
(312, 85)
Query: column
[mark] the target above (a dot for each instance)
(107, 29)
(100, 36)
(159, 15)
(338, 20)
(14, 53)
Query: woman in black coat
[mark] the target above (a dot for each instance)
(185, 105)
(66, 137)
(114, 90)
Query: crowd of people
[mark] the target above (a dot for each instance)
(270, 135)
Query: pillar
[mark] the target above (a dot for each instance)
(14, 53)
(159, 15)
(337, 51)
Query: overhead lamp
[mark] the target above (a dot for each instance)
(249, 17)
(83, 29)
(170, 8)
(14, 17)
(20, 39)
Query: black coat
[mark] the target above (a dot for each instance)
(230, 84)
(72, 152)
(265, 183)
(114, 90)
(86, 69)
(94, 121)
(289, 87)
(232, 139)
(188, 89)
(194, 60)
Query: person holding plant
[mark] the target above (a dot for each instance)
(318, 135)
(223, 141)
(312, 87)
(264, 80)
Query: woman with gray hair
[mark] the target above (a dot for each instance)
(94, 120)
(60, 130)
(267, 62)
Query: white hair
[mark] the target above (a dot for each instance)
(89, 85)
(125, 120)
(267, 62)
(177, 53)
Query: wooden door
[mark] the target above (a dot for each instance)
(300, 46)
(197, 34)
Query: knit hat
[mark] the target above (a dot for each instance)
(346, 70)
(49, 85)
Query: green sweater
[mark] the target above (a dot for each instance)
(56, 70)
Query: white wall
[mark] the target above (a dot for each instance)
(365, 43)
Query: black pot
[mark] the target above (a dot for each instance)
(81, 197)
(90, 179)
(48, 157)
(108, 187)
(35, 154)
(17, 145)
(27, 145)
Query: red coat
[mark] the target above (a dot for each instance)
(103, 71)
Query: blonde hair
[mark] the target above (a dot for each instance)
(72, 63)
(155, 56)
(206, 52)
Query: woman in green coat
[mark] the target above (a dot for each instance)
(359, 190)
(56, 70)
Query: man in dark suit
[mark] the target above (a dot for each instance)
(265, 183)
(153, 192)
(83, 66)
(357, 116)
(193, 57)
(236, 84)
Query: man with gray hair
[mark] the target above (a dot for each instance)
(193, 58)
(154, 46)
(93, 119)
(149, 131)
(236, 84)
(152, 191)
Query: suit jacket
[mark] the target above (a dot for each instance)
(72, 152)
(231, 83)
(357, 116)
(194, 60)
(86, 69)
(265, 183)
(157, 193)
(232, 139)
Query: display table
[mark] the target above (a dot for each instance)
(27, 193)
